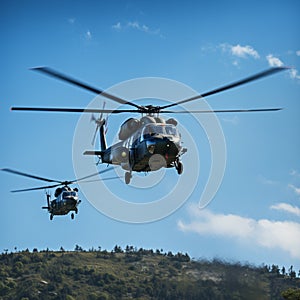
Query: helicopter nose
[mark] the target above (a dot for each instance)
(167, 148)
(72, 201)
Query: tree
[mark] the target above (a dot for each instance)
(118, 249)
(291, 294)
(78, 248)
(275, 269)
(292, 273)
(170, 254)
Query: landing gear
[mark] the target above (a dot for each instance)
(128, 176)
(72, 216)
(179, 167)
(51, 217)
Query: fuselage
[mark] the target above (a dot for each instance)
(149, 148)
(66, 201)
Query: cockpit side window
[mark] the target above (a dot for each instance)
(171, 130)
(148, 131)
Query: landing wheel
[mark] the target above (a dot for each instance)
(76, 211)
(51, 217)
(127, 177)
(179, 167)
(72, 216)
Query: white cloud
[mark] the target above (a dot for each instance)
(274, 61)
(266, 181)
(298, 52)
(235, 63)
(117, 26)
(287, 207)
(71, 20)
(88, 35)
(142, 27)
(265, 233)
(240, 51)
(295, 173)
(234, 120)
(244, 51)
(294, 74)
(136, 26)
(295, 189)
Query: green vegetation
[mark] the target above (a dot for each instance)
(137, 274)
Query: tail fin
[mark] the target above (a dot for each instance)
(48, 202)
(103, 144)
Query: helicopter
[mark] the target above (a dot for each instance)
(150, 142)
(66, 198)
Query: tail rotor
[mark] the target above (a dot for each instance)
(99, 123)
(48, 197)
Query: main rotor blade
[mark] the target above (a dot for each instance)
(118, 111)
(29, 175)
(76, 110)
(54, 185)
(36, 188)
(61, 76)
(230, 86)
(102, 179)
(88, 176)
(220, 111)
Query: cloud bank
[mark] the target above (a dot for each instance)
(283, 235)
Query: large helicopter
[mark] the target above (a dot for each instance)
(66, 198)
(150, 142)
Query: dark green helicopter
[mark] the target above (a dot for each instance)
(66, 198)
(150, 142)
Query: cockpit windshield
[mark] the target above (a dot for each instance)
(153, 129)
(66, 195)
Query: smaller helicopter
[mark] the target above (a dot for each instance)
(66, 198)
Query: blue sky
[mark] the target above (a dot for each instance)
(255, 214)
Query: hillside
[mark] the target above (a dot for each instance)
(132, 273)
